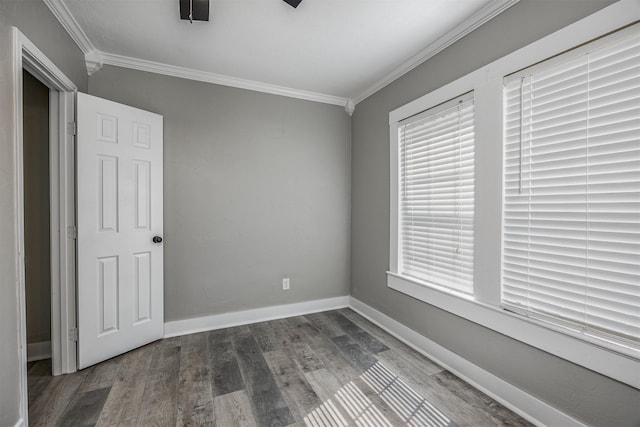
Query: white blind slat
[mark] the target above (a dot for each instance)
(437, 195)
(571, 228)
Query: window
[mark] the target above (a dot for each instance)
(436, 195)
(546, 203)
(571, 248)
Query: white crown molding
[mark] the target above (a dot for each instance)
(69, 23)
(93, 61)
(350, 106)
(483, 15)
(220, 79)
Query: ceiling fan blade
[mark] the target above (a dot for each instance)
(293, 3)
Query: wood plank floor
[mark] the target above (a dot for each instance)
(326, 369)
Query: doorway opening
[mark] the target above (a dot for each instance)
(44, 165)
(37, 231)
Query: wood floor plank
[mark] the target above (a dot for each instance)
(269, 407)
(225, 370)
(345, 324)
(362, 355)
(325, 324)
(195, 396)
(305, 327)
(85, 408)
(297, 320)
(356, 400)
(127, 392)
(354, 352)
(323, 369)
(234, 409)
(48, 408)
(348, 364)
(408, 404)
(39, 367)
(392, 342)
(332, 358)
(455, 408)
(262, 332)
(359, 335)
(366, 406)
(299, 395)
(398, 362)
(38, 378)
(159, 403)
(495, 411)
(169, 342)
(292, 341)
(368, 341)
(102, 375)
(326, 385)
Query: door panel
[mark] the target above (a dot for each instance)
(120, 269)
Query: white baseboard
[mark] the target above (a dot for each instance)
(519, 401)
(19, 423)
(38, 351)
(237, 318)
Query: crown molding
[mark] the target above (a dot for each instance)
(93, 61)
(64, 16)
(483, 15)
(220, 79)
(350, 106)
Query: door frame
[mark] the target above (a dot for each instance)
(62, 99)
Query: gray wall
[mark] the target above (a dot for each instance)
(36, 209)
(578, 391)
(256, 188)
(34, 19)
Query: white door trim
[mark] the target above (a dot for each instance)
(62, 171)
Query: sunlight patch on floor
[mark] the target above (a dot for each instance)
(409, 405)
(406, 402)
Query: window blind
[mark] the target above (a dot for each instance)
(436, 195)
(571, 228)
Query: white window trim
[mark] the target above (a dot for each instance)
(436, 111)
(484, 307)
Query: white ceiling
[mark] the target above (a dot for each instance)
(341, 48)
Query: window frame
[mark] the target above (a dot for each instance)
(569, 57)
(435, 110)
(484, 307)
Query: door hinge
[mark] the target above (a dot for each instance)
(72, 128)
(72, 232)
(73, 334)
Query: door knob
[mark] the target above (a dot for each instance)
(157, 239)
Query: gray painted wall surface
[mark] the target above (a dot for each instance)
(256, 188)
(36, 209)
(220, 257)
(588, 396)
(34, 19)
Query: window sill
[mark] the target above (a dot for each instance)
(559, 342)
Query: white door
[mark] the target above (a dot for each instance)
(120, 272)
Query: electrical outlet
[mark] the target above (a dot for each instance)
(285, 284)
